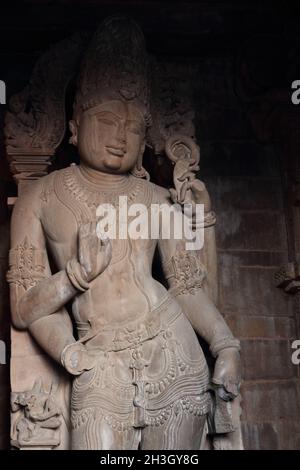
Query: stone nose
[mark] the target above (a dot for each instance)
(121, 138)
(121, 134)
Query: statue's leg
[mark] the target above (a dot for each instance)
(97, 434)
(182, 430)
(101, 414)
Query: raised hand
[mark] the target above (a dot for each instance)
(199, 193)
(95, 251)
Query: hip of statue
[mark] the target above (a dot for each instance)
(143, 370)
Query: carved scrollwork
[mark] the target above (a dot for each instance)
(185, 272)
(35, 122)
(171, 104)
(26, 265)
(288, 278)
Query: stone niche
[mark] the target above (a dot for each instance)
(240, 167)
(35, 127)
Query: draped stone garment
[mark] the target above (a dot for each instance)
(147, 374)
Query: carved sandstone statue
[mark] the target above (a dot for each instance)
(140, 378)
(38, 420)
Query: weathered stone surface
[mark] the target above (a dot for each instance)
(251, 230)
(260, 436)
(267, 359)
(268, 401)
(255, 259)
(23, 344)
(261, 327)
(273, 435)
(24, 374)
(256, 294)
(136, 334)
(4, 294)
(232, 194)
(254, 307)
(4, 336)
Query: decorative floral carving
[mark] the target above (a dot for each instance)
(35, 122)
(26, 265)
(185, 272)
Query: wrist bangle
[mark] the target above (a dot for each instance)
(224, 343)
(63, 353)
(70, 358)
(77, 275)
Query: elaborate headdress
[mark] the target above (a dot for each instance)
(115, 66)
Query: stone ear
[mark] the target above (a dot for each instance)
(73, 126)
(139, 162)
(138, 170)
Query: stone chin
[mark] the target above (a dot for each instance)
(110, 164)
(113, 162)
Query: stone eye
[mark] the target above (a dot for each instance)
(108, 122)
(134, 128)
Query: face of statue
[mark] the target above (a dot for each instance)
(110, 136)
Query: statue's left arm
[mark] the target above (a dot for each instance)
(186, 278)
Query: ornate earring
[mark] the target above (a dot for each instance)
(139, 171)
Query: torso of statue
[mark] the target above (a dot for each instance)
(126, 290)
(147, 354)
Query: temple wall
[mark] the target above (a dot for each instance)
(245, 182)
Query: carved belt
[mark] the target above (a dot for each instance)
(135, 332)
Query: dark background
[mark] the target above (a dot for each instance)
(249, 143)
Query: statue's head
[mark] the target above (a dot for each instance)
(111, 107)
(110, 136)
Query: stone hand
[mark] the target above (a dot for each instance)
(189, 189)
(94, 251)
(227, 376)
(199, 193)
(76, 358)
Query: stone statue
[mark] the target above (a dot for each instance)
(140, 378)
(38, 419)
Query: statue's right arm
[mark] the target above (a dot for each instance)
(37, 297)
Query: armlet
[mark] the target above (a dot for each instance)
(185, 273)
(209, 219)
(27, 265)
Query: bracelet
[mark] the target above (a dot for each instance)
(77, 275)
(67, 359)
(63, 354)
(224, 343)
